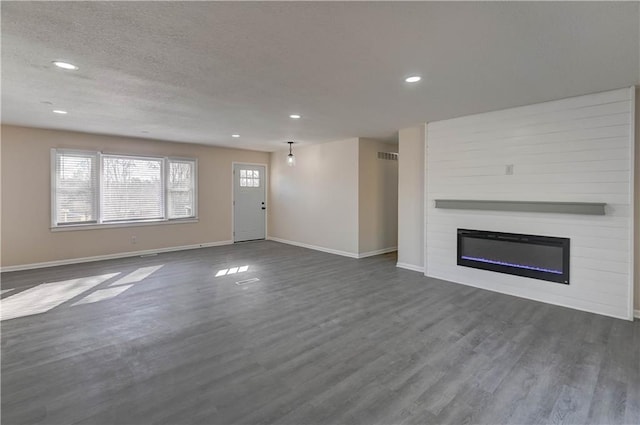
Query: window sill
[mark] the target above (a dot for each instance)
(72, 227)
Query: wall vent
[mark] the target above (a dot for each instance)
(388, 156)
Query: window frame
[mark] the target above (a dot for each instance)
(167, 163)
(99, 223)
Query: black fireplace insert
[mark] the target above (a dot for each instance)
(538, 257)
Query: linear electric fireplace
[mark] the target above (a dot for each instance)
(538, 257)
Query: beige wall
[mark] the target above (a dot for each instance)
(411, 197)
(378, 198)
(26, 207)
(316, 202)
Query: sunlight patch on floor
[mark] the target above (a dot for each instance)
(232, 270)
(103, 294)
(137, 275)
(46, 296)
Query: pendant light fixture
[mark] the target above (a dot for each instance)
(291, 160)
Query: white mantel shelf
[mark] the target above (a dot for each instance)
(588, 208)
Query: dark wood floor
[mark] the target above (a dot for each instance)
(318, 339)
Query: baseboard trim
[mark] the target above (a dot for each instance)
(410, 267)
(110, 256)
(636, 314)
(314, 247)
(378, 252)
(335, 251)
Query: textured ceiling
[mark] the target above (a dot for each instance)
(201, 71)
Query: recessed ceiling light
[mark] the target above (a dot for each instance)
(65, 65)
(295, 116)
(235, 135)
(59, 111)
(413, 79)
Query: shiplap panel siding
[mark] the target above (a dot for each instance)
(574, 150)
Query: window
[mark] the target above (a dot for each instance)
(131, 189)
(94, 188)
(76, 188)
(249, 178)
(180, 189)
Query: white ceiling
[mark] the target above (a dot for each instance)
(201, 71)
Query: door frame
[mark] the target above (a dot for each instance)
(233, 196)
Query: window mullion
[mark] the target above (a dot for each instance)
(54, 187)
(99, 183)
(165, 189)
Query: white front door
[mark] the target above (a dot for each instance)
(249, 208)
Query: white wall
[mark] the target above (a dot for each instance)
(315, 203)
(411, 171)
(378, 199)
(577, 149)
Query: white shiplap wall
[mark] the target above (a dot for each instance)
(578, 149)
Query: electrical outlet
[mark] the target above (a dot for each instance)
(134, 240)
(508, 170)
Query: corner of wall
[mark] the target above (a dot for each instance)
(636, 203)
(377, 198)
(425, 145)
(314, 204)
(411, 191)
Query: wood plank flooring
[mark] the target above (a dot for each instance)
(319, 339)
